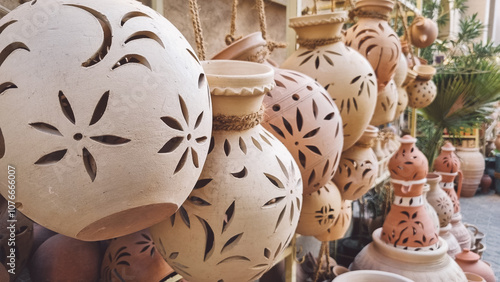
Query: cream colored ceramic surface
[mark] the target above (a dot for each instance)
(401, 71)
(343, 72)
(422, 91)
(387, 102)
(433, 265)
(423, 32)
(320, 209)
(472, 164)
(106, 116)
(439, 200)
(245, 207)
(453, 246)
(371, 276)
(430, 209)
(341, 224)
(460, 232)
(402, 102)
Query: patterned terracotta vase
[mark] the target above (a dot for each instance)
(447, 164)
(439, 199)
(245, 207)
(473, 165)
(358, 167)
(423, 32)
(375, 39)
(340, 225)
(94, 129)
(408, 163)
(343, 72)
(387, 102)
(134, 258)
(320, 209)
(422, 91)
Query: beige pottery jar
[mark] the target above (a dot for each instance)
(358, 167)
(453, 245)
(102, 101)
(423, 32)
(439, 200)
(422, 91)
(340, 225)
(371, 275)
(472, 164)
(460, 232)
(433, 265)
(401, 71)
(430, 209)
(387, 102)
(343, 72)
(245, 207)
(320, 209)
(375, 39)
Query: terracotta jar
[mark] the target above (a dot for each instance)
(458, 229)
(320, 209)
(453, 245)
(340, 225)
(470, 262)
(423, 265)
(95, 130)
(358, 167)
(252, 48)
(134, 258)
(447, 164)
(245, 207)
(485, 183)
(423, 32)
(430, 210)
(473, 165)
(387, 102)
(343, 72)
(422, 91)
(301, 114)
(374, 38)
(439, 200)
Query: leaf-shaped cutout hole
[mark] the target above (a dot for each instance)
(100, 108)
(314, 149)
(144, 34)
(211, 145)
(11, 48)
(201, 80)
(172, 123)
(66, 107)
(315, 109)
(6, 86)
(299, 119)
(287, 125)
(46, 128)
(193, 55)
(316, 63)
(280, 218)
(2, 144)
(171, 145)
(277, 130)
(132, 59)
(325, 168)
(265, 140)
(282, 166)
(199, 201)
(279, 83)
(184, 109)
(273, 201)
(240, 174)
(202, 183)
(132, 15)
(110, 139)
(228, 216)
(198, 120)
(233, 258)
(355, 79)
(243, 146)
(267, 253)
(274, 180)
(312, 177)
(302, 159)
(182, 161)
(328, 60)
(194, 157)
(329, 116)
(90, 164)
(231, 242)
(173, 255)
(50, 158)
(209, 238)
(227, 147)
(184, 216)
(201, 140)
(257, 144)
(312, 133)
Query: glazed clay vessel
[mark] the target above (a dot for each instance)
(245, 207)
(320, 209)
(423, 32)
(343, 72)
(301, 114)
(340, 225)
(375, 39)
(358, 167)
(430, 210)
(387, 103)
(439, 200)
(447, 164)
(422, 91)
(472, 163)
(453, 245)
(470, 262)
(435, 265)
(133, 258)
(87, 123)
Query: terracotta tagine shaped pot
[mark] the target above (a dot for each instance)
(447, 164)
(88, 92)
(453, 245)
(134, 257)
(423, 32)
(320, 209)
(245, 207)
(340, 225)
(422, 91)
(343, 72)
(473, 165)
(387, 102)
(470, 262)
(374, 38)
(430, 210)
(301, 114)
(358, 167)
(62, 258)
(439, 199)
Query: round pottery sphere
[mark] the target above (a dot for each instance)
(421, 93)
(320, 209)
(423, 32)
(301, 114)
(340, 225)
(102, 103)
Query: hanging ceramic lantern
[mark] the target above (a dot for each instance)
(358, 167)
(422, 91)
(387, 102)
(103, 104)
(341, 224)
(343, 72)
(375, 39)
(245, 207)
(423, 32)
(320, 209)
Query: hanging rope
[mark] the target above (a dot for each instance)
(313, 43)
(198, 32)
(237, 123)
(405, 28)
(271, 45)
(230, 37)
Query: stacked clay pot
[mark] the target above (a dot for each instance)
(422, 91)
(423, 32)
(358, 167)
(244, 209)
(473, 165)
(343, 72)
(408, 225)
(375, 39)
(85, 119)
(340, 225)
(387, 104)
(471, 262)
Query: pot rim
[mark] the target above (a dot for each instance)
(375, 274)
(318, 19)
(240, 46)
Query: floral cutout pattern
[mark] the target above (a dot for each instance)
(319, 55)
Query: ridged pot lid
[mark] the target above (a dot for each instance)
(312, 20)
(467, 256)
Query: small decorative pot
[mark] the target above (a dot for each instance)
(497, 142)
(244, 209)
(341, 224)
(439, 200)
(470, 262)
(422, 91)
(408, 163)
(119, 114)
(453, 245)
(423, 32)
(387, 102)
(472, 163)
(447, 164)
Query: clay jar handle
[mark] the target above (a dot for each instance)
(459, 185)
